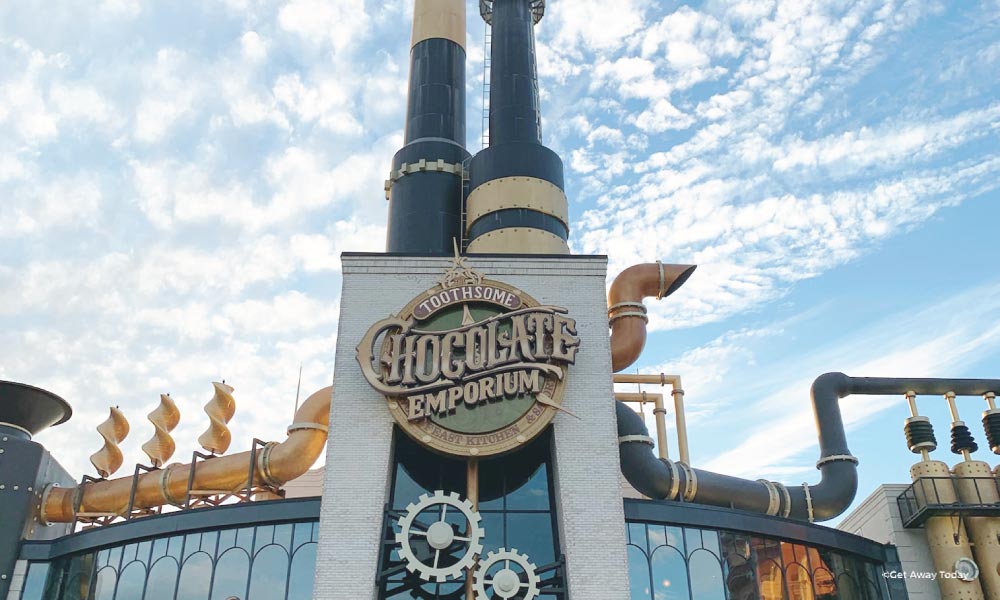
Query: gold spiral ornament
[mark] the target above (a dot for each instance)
(114, 429)
(220, 410)
(164, 418)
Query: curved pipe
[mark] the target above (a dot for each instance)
(626, 313)
(658, 478)
(276, 465)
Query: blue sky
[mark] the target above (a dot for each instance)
(178, 179)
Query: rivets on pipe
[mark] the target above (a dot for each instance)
(809, 503)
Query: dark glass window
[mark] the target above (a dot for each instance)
(672, 563)
(515, 502)
(212, 565)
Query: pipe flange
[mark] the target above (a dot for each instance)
(622, 315)
(690, 482)
(264, 466)
(165, 487)
(788, 498)
(675, 479)
(641, 439)
(663, 280)
(773, 501)
(638, 305)
(42, 517)
(677, 391)
(307, 425)
(837, 458)
(809, 503)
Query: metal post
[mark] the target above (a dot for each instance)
(472, 494)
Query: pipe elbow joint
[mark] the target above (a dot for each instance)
(648, 474)
(626, 311)
(835, 383)
(835, 492)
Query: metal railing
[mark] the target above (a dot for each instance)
(948, 496)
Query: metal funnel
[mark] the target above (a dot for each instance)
(30, 409)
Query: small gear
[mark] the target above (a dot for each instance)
(520, 582)
(439, 537)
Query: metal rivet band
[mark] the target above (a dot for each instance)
(307, 425)
(663, 281)
(675, 479)
(264, 466)
(690, 482)
(638, 305)
(809, 503)
(622, 315)
(165, 488)
(836, 458)
(42, 517)
(423, 164)
(772, 497)
(787, 497)
(641, 439)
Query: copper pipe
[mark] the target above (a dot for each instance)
(677, 392)
(276, 465)
(626, 312)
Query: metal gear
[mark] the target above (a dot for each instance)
(507, 583)
(440, 536)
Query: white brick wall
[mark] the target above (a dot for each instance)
(17, 580)
(591, 515)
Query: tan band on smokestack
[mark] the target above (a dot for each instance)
(518, 240)
(517, 192)
(439, 19)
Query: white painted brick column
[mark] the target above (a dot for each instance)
(17, 580)
(591, 514)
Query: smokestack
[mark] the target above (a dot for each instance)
(517, 203)
(26, 410)
(425, 187)
(25, 469)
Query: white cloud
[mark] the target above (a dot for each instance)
(340, 24)
(932, 341)
(253, 46)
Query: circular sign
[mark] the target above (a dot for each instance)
(472, 369)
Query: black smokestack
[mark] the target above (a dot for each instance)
(514, 112)
(425, 187)
(517, 203)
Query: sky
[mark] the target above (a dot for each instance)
(178, 180)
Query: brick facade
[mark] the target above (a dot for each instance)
(591, 516)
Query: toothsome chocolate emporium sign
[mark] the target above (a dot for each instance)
(471, 367)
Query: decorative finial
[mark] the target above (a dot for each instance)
(164, 418)
(114, 430)
(220, 410)
(460, 272)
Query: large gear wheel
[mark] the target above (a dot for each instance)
(439, 537)
(517, 578)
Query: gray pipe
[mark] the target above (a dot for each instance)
(662, 479)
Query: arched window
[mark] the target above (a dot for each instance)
(269, 577)
(302, 572)
(162, 579)
(104, 584)
(670, 574)
(132, 582)
(231, 575)
(196, 577)
(706, 576)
